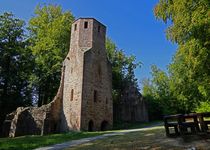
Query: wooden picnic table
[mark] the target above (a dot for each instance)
(172, 121)
(183, 124)
(189, 121)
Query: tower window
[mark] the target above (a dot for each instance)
(75, 27)
(106, 100)
(95, 96)
(86, 25)
(99, 71)
(71, 70)
(72, 94)
(99, 28)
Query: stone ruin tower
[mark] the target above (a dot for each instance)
(84, 98)
(87, 92)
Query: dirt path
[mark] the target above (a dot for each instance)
(148, 138)
(91, 139)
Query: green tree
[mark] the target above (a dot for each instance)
(15, 65)
(50, 38)
(159, 94)
(123, 68)
(190, 29)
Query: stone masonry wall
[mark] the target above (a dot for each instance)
(35, 120)
(73, 78)
(97, 83)
(86, 57)
(132, 106)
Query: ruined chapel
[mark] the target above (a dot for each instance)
(84, 98)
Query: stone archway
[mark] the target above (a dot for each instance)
(90, 126)
(104, 125)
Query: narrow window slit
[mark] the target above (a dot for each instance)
(72, 94)
(95, 96)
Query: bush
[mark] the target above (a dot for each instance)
(203, 107)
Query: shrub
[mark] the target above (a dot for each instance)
(203, 107)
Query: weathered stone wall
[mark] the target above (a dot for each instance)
(35, 120)
(97, 83)
(73, 78)
(86, 58)
(132, 107)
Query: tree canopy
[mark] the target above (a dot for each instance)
(189, 72)
(14, 67)
(49, 41)
(123, 68)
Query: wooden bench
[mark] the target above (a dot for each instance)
(189, 121)
(204, 121)
(192, 123)
(172, 121)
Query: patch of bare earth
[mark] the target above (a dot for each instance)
(148, 139)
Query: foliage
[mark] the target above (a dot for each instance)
(155, 110)
(188, 82)
(50, 37)
(15, 64)
(123, 68)
(203, 107)
(158, 93)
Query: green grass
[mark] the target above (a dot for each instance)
(35, 141)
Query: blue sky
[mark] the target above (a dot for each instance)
(130, 24)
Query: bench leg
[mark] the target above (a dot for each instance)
(176, 130)
(167, 131)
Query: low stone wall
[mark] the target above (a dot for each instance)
(35, 120)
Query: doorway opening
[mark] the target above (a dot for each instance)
(104, 126)
(90, 126)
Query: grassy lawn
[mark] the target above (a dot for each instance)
(149, 139)
(31, 142)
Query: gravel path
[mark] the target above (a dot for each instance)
(90, 139)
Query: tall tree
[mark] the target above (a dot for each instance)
(50, 38)
(190, 29)
(15, 65)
